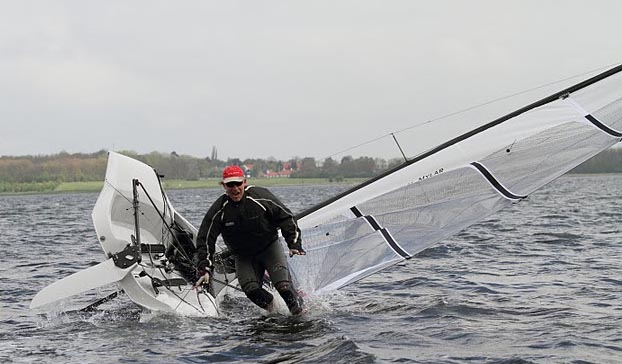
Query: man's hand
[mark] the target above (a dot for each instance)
(203, 279)
(203, 273)
(293, 252)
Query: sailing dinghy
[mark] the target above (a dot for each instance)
(379, 223)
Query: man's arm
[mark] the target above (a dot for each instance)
(283, 218)
(208, 233)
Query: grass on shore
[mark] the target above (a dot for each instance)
(95, 186)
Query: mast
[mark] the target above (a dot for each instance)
(135, 206)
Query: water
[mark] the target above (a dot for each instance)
(538, 283)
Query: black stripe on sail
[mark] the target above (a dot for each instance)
(374, 224)
(496, 184)
(385, 233)
(602, 126)
(396, 248)
(356, 211)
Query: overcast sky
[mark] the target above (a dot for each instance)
(275, 78)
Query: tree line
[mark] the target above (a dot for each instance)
(47, 170)
(80, 167)
(609, 161)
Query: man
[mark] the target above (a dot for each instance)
(248, 218)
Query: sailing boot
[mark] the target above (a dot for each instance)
(294, 302)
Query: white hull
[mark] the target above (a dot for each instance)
(149, 284)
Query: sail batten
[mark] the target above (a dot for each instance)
(496, 184)
(603, 127)
(385, 233)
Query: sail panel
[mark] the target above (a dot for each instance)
(413, 217)
(344, 249)
(611, 115)
(113, 215)
(535, 161)
(600, 96)
(152, 228)
(418, 225)
(457, 184)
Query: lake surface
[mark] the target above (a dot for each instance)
(538, 283)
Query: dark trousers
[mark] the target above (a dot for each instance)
(251, 271)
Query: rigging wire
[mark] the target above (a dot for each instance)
(168, 287)
(183, 252)
(178, 248)
(182, 299)
(117, 191)
(458, 112)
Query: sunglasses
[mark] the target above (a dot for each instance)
(235, 183)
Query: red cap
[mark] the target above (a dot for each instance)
(233, 174)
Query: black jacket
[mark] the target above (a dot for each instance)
(248, 226)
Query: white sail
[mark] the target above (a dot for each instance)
(438, 193)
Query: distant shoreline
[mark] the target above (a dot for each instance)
(96, 186)
(85, 172)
